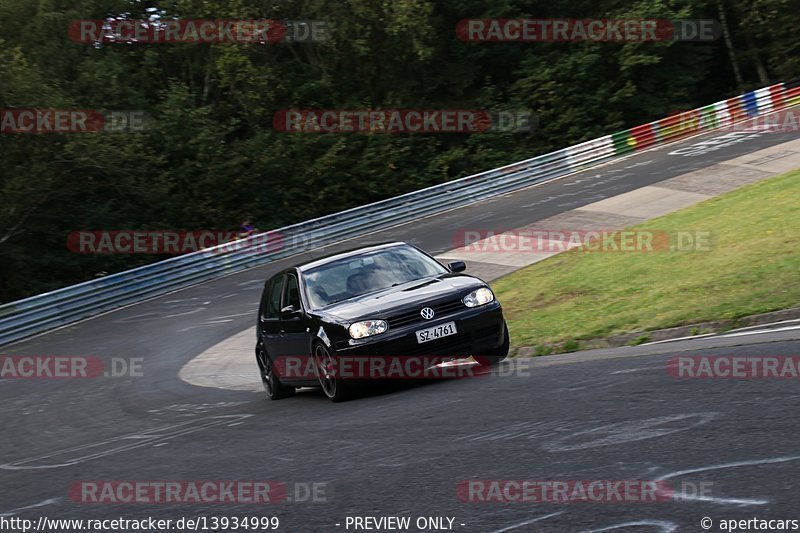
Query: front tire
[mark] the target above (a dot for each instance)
(493, 358)
(272, 384)
(332, 386)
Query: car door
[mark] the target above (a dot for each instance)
(293, 320)
(270, 314)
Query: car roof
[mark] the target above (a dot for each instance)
(344, 255)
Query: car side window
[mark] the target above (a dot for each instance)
(292, 294)
(272, 306)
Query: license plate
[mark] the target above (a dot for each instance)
(436, 332)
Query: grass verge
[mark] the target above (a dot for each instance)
(753, 266)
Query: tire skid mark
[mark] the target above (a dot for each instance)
(104, 448)
(44, 503)
(723, 466)
(629, 431)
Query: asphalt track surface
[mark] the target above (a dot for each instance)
(403, 450)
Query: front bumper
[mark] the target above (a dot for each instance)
(479, 330)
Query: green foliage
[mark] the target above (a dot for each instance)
(210, 155)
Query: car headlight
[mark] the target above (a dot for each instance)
(482, 296)
(367, 328)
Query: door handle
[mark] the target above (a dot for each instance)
(283, 333)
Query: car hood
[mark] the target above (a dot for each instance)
(426, 291)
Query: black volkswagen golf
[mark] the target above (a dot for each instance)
(390, 300)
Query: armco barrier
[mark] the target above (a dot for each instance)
(43, 312)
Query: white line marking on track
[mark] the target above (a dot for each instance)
(193, 311)
(12, 512)
(247, 284)
(629, 370)
(690, 337)
(760, 331)
(246, 313)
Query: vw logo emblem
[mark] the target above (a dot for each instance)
(427, 313)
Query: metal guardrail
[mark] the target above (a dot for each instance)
(46, 311)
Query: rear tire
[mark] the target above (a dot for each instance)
(499, 354)
(333, 387)
(272, 384)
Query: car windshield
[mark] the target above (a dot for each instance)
(368, 272)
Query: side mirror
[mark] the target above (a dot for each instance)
(290, 312)
(457, 266)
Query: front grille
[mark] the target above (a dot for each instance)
(440, 310)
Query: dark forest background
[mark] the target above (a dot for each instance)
(210, 157)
